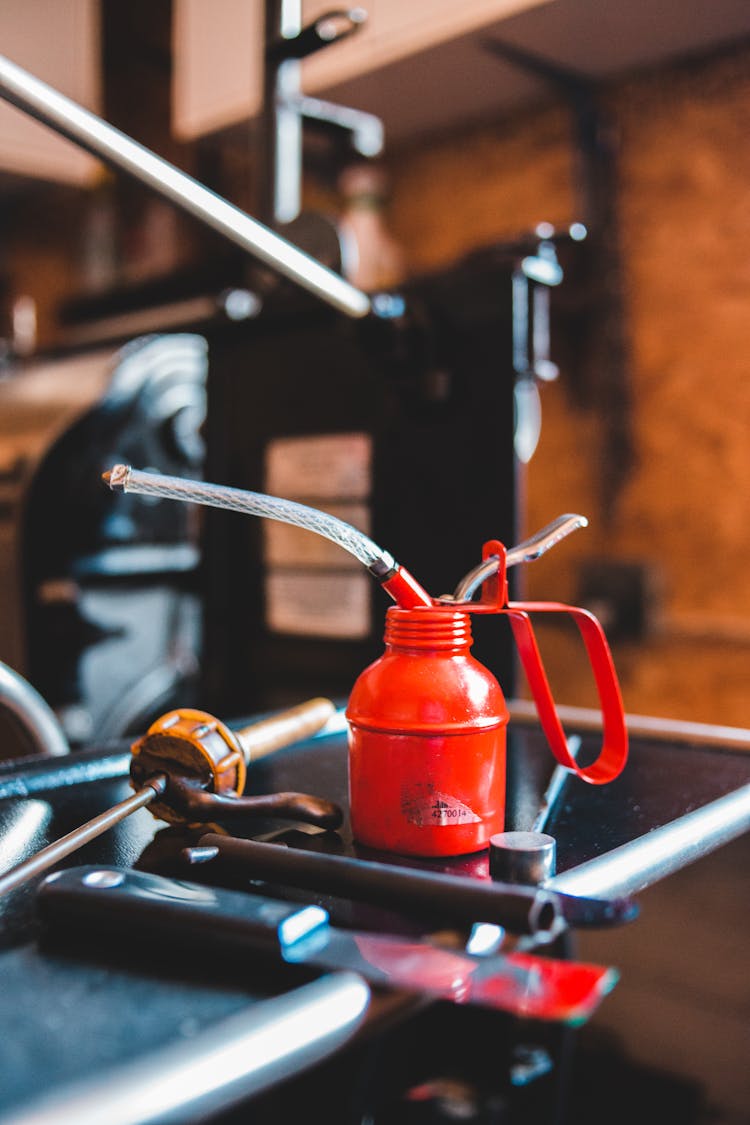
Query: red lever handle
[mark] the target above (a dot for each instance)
(614, 751)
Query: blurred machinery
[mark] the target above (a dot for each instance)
(403, 427)
(413, 425)
(99, 604)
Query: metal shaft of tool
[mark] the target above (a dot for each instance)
(560, 775)
(447, 898)
(94, 135)
(74, 840)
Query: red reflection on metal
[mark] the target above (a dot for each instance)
(527, 986)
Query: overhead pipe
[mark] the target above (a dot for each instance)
(96, 136)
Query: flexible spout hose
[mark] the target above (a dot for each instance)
(379, 562)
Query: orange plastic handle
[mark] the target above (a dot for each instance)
(614, 751)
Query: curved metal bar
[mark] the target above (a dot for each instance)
(35, 716)
(234, 1059)
(90, 132)
(636, 865)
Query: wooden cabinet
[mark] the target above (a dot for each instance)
(423, 65)
(59, 43)
(218, 50)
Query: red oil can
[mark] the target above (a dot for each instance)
(427, 740)
(427, 723)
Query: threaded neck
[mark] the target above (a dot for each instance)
(427, 628)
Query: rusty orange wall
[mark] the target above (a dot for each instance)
(684, 158)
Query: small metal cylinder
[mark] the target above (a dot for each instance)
(522, 857)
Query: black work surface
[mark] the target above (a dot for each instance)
(72, 1011)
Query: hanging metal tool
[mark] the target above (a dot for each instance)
(604, 356)
(189, 767)
(286, 108)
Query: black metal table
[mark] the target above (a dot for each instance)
(69, 1013)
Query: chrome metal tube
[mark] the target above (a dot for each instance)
(634, 866)
(90, 132)
(236, 1058)
(74, 840)
(683, 732)
(559, 776)
(531, 549)
(35, 716)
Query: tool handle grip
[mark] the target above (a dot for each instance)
(614, 750)
(121, 899)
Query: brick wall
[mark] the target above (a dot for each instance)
(684, 512)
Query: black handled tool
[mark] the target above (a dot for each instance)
(219, 920)
(429, 895)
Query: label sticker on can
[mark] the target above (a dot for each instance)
(422, 805)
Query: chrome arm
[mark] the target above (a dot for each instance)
(90, 132)
(634, 866)
(35, 716)
(531, 549)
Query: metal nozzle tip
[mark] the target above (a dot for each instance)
(199, 854)
(117, 477)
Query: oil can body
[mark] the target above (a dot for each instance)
(427, 727)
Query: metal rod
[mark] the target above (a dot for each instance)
(531, 549)
(235, 1058)
(560, 775)
(448, 898)
(33, 713)
(634, 866)
(90, 132)
(640, 726)
(281, 122)
(49, 856)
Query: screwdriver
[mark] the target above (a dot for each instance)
(196, 742)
